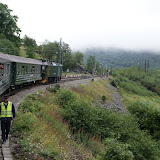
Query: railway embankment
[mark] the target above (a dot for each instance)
(79, 120)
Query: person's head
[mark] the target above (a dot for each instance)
(5, 99)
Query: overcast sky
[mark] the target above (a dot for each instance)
(131, 24)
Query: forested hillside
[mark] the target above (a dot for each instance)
(115, 58)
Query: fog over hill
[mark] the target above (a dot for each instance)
(115, 57)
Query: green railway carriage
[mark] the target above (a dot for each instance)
(51, 71)
(16, 71)
(21, 70)
(5, 74)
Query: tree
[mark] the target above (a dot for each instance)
(78, 56)
(68, 61)
(67, 57)
(90, 64)
(49, 50)
(8, 47)
(8, 25)
(29, 42)
(30, 53)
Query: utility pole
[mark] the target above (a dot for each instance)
(60, 54)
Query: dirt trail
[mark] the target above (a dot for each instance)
(117, 100)
(18, 97)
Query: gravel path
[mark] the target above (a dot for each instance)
(18, 97)
(117, 101)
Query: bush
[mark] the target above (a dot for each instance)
(104, 98)
(31, 104)
(147, 116)
(116, 150)
(53, 89)
(24, 122)
(65, 97)
(108, 124)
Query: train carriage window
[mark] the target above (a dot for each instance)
(36, 69)
(18, 69)
(23, 69)
(26, 68)
(1, 69)
(8, 69)
(4, 70)
(30, 70)
(33, 69)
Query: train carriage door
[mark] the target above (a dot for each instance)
(43, 71)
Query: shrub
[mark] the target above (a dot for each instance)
(31, 106)
(108, 124)
(147, 116)
(116, 150)
(104, 98)
(114, 83)
(24, 122)
(65, 97)
(53, 89)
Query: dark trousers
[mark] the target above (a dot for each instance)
(5, 127)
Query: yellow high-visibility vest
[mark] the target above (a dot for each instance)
(6, 112)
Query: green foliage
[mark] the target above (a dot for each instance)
(109, 124)
(121, 58)
(8, 47)
(31, 104)
(24, 122)
(149, 80)
(29, 42)
(9, 26)
(65, 97)
(68, 61)
(78, 56)
(147, 116)
(116, 150)
(53, 89)
(49, 50)
(30, 53)
(90, 64)
(104, 98)
(130, 86)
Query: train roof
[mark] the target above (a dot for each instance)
(18, 59)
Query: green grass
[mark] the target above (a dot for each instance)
(43, 132)
(65, 124)
(23, 53)
(142, 103)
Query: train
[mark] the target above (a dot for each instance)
(16, 71)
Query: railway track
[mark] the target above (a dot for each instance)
(64, 79)
(5, 153)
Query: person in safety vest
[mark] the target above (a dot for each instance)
(7, 113)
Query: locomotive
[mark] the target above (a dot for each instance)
(16, 71)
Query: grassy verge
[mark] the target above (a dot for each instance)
(65, 125)
(42, 133)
